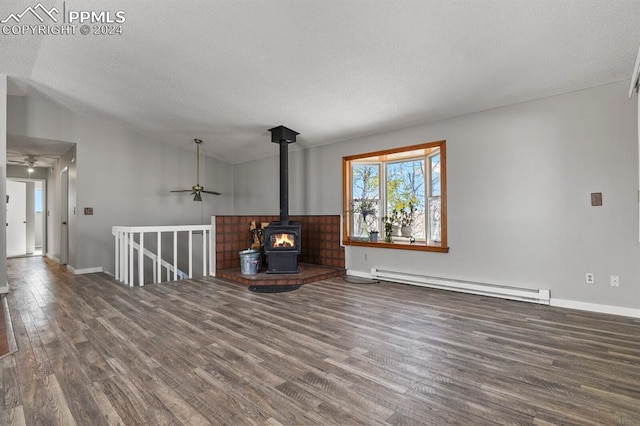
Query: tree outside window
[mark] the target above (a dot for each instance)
(366, 198)
(405, 194)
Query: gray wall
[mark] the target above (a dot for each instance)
(519, 183)
(125, 177)
(519, 180)
(54, 209)
(3, 181)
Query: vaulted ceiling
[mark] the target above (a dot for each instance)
(226, 71)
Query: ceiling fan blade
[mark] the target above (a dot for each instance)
(182, 190)
(211, 192)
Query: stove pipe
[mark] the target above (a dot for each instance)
(284, 136)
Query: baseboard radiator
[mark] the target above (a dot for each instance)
(540, 296)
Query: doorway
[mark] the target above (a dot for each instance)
(16, 218)
(26, 222)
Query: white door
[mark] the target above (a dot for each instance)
(64, 216)
(16, 218)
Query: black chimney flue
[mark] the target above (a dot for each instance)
(284, 136)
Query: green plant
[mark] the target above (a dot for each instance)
(407, 215)
(388, 230)
(395, 218)
(404, 216)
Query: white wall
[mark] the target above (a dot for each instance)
(125, 177)
(519, 183)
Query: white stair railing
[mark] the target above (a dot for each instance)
(126, 247)
(168, 267)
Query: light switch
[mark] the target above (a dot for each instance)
(596, 198)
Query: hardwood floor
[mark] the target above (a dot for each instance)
(4, 342)
(205, 351)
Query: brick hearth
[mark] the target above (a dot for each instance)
(322, 256)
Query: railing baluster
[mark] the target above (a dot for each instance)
(190, 254)
(141, 260)
(159, 256)
(117, 255)
(125, 258)
(204, 253)
(175, 255)
(120, 237)
(125, 245)
(131, 265)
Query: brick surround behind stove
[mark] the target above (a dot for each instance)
(320, 239)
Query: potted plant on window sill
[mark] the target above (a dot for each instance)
(388, 229)
(394, 220)
(407, 216)
(367, 210)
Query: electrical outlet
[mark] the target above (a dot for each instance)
(615, 281)
(590, 278)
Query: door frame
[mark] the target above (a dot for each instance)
(64, 215)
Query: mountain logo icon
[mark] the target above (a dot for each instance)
(39, 11)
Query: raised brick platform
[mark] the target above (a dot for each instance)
(308, 273)
(322, 256)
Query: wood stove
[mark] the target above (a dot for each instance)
(282, 240)
(282, 247)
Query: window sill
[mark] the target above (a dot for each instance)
(398, 245)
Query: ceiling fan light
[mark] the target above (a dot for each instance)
(197, 197)
(30, 170)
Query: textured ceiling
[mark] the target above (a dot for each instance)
(226, 71)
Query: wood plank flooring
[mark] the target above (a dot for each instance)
(93, 352)
(4, 342)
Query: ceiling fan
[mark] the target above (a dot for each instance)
(29, 161)
(197, 189)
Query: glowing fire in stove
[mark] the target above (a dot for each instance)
(283, 240)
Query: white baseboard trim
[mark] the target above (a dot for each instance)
(595, 307)
(84, 270)
(558, 303)
(52, 257)
(359, 274)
